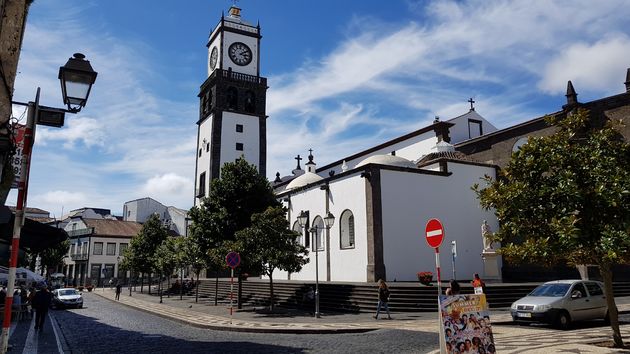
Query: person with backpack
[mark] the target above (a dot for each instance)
(383, 298)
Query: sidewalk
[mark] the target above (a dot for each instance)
(508, 339)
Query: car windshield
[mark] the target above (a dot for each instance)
(67, 292)
(554, 290)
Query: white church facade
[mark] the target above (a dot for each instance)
(381, 198)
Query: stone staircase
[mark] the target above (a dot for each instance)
(359, 297)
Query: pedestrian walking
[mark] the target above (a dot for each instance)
(453, 288)
(478, 284)
(383, 298)
(118, 290)
(41, 303)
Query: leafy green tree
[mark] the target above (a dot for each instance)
(195, 258)
(566, 198)
(167, 257)
(53, 257)
(269, 244)
(239, 193)
(142, 247)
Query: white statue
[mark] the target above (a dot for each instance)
(485, 235)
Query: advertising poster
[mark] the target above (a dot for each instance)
(466, 320)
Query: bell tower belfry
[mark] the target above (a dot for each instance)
(232, 119)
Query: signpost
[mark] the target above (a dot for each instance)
(16, 161)
(434, 234)
(233, 259)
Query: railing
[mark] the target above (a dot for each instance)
(81, 232)
(79, 257)
(232, 75)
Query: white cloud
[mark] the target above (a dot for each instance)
(591, 67)
(89, 131)
(168, 183)
(55, 201)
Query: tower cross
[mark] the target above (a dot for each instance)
(298, 158)
(471, 101)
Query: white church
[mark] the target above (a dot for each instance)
(380, 198)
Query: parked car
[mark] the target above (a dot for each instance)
(561, 302)
(66, 297)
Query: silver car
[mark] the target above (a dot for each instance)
(561, 302)
(66, 297)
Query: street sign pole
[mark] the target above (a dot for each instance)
(233, 259)
(434, 234)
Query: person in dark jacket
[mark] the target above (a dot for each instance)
(41, 303)
(118, 290)
(383, 298)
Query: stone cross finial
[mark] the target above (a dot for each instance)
(298, 158)
(471, 101)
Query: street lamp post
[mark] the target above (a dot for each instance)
(77, 78)
(329, 221)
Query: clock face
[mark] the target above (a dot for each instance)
(240, 53)
(214, 55)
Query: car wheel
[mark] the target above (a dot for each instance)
(80, 306)
(563, 320)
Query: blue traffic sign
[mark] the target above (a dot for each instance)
(233, 259)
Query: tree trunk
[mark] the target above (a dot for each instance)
(141, 282)
(271, 291)
(181, 283)
(168, 284)
(216, 289)
(197, 287)
(606, 272)
(150, 283)
(240, 291)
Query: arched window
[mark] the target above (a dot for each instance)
(232, 98)
(318, 241)
(298, 229)
(250, 101)
(346, 230)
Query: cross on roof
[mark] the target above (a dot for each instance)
(471, 101)
(298, 158)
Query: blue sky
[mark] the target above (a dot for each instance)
(343, 76)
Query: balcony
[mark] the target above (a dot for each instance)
(79, 257)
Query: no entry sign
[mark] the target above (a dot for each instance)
(233, 259)
(434, 232)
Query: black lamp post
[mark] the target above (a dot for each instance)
(77, 78)
(329, 221)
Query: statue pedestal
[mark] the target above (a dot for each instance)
(491, 269)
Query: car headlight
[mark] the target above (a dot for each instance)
(542, 308)
(513, 307)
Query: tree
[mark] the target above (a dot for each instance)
(239, 193)
(53, 256)
(195, 258)
(167, 257)
(566, 198)
(269, 244)
(143, 246)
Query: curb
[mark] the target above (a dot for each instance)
(255, 327)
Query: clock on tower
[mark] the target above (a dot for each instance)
(232, 119)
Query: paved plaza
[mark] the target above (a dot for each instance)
(139, 323)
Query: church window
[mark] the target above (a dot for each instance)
(239, 128)
(232, 98)
(201, 191)
(318, 224)
(346, 230)
(474, 128)
(239, 146)
(250, 102)
(298, 229)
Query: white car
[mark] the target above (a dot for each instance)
(66, 297)
(561, 302)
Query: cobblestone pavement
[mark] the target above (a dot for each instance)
(509, 338)
(104, 326)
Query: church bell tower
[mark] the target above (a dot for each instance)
(232, 119)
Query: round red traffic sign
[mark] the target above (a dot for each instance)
(434, 233)
(233, 259)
